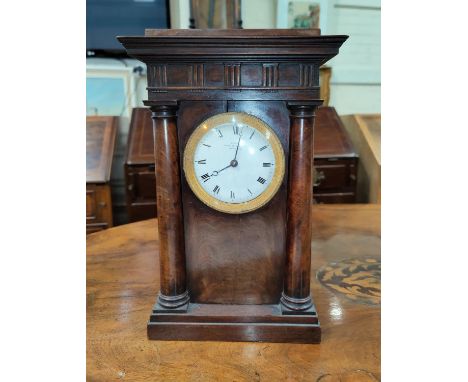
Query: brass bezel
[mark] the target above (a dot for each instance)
(209, 200)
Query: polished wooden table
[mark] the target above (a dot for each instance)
(122, 282)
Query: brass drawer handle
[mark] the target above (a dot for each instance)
(319, 176)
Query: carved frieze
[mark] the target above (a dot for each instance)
(219, 76)
(270, 75)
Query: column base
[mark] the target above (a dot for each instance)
(172, 303)
(296, 304)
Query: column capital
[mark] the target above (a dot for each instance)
(162, 109)
(304, 109)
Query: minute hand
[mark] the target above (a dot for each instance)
(237, 148)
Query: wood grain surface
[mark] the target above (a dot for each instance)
(234, 259)
(123, 279)
(173, 292)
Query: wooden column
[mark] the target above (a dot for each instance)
(173, 293)
(296, 291)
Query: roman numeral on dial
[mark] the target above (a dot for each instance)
(235, 128)
(263, 148)
(261, 180)
(216, 189)
(267, 164)
(205, 177)
(232, 195)
(203, 161)
(220, 134)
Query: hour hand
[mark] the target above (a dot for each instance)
(215, 173)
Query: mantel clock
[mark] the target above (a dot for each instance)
(233, 115)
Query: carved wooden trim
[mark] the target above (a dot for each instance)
(232, 75)
(158, 75)
(197, 75)
(300, 76)
(307, 75)
(270, 75)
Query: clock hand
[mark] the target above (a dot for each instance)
(237, 148)
(215, 173)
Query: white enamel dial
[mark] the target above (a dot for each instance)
(235, 162)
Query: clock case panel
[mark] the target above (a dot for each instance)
(234, 259)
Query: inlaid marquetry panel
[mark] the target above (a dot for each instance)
(356, 279)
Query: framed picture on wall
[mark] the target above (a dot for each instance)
(303, 14)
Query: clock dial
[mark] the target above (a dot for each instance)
(234, 162)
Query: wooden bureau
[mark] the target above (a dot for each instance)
(100, 142)
(139, 167)
(335, 162)
(364, 131)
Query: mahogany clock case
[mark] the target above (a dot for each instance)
(234, 277)
(335, 163)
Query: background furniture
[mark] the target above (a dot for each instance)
(217, 14)
(325, 78)
(123, 276)
(335, 159)
(100, 143)
(364, 131)
(139, 167)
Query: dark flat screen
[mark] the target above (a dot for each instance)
(106, 19)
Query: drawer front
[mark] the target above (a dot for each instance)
(91, 228)
(335, 198)
(98, 207)
(91, 204)
(141, 184)
(141, 192)
(334, 174)
(141, 211)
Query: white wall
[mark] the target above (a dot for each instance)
(259, 14)
(355, 82)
